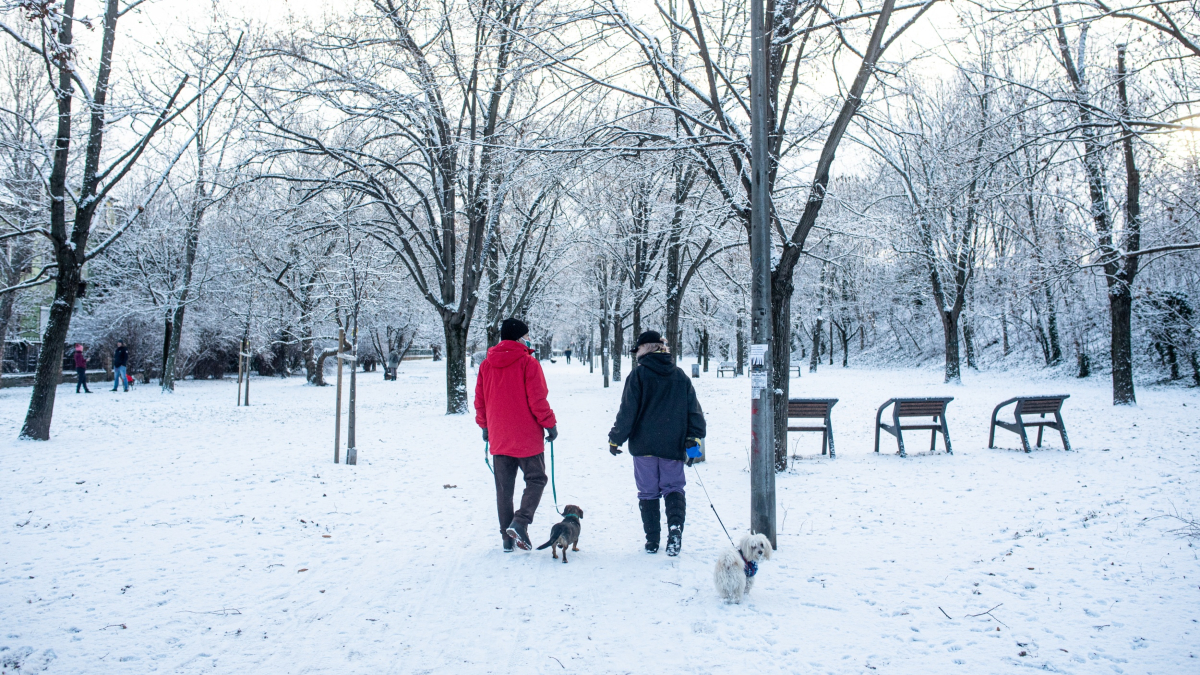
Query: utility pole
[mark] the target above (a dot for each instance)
(762, 426)
(337, 414)
(351, 446)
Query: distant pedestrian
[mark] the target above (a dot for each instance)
(120, 361)
(511, 408)
(393, 362)
(567, 353)
(80, 370)
(663, 422)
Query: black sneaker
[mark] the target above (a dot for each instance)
(674, 540)
(508, 544)
(519, 532)
(652, 547)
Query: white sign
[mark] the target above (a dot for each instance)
(758, 355)
(758, 382)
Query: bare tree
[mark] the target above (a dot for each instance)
(100, 174)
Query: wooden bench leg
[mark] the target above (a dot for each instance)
(829, 430)
(992, 434)
(1024, 436)
(946, 435)
(825, 441)
(1039, 441)
(933, 437)
(1062, 431)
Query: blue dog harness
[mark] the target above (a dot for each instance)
(751, 567)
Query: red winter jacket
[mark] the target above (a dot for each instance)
(80, 360)
(510, 401)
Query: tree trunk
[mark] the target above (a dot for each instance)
(618, 346)
(1004, 329)
(456, 367)
(603, 349)
(176, 324)
(816, 345)
(968, 334)
(307, 349)
(1120, 308)
(741, 345)
(831, 343)
(704, 348)
(950, 332)
(49, 367)
(1052, 337)
(1082, 362)
(781, 358)
(166, 346)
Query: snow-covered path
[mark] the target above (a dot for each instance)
(183, 534)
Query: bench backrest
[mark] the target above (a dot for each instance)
(921, 407)
(1040, 405)
(727, 364)
(808, 409)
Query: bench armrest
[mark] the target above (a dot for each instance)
(879, 415)
(996, 411)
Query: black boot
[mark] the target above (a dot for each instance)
(520, 533)
(676, 510)
(650, 523)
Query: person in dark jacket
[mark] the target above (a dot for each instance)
(663, 422)
(80, 370)
(120, 361)
(511, 408)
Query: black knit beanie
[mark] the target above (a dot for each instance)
(513, 329)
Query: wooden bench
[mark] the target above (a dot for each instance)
(794, 366)
(814, 409)
(934, 408)
(727, 367)
(1031, 405)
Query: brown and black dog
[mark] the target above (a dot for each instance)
(566, 533)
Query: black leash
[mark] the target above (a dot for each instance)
(750, 568)
(714, 509)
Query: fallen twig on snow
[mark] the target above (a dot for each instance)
(989, 613)
(946, 615)
(224, 611)
(559, 663)
(114, 625)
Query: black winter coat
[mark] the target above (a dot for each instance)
(120, 357)
(659, 410)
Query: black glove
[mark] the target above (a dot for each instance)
(690, 460)
(552, 433)
(612, 447)
(485, 434)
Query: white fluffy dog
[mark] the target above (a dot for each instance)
(730, 573)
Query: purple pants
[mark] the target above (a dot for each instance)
(656, 476)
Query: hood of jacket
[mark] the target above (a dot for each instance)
(658, 363)
(507, 352)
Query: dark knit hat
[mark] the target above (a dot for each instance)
(513, 329)
(649, 337)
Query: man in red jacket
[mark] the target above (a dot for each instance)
(511, 408)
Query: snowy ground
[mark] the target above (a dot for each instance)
(183, 534)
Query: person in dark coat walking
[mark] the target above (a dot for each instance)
(663, 422)
(80, 370)
(511, 408)
(120, 361)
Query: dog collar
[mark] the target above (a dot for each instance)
(570, 515)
